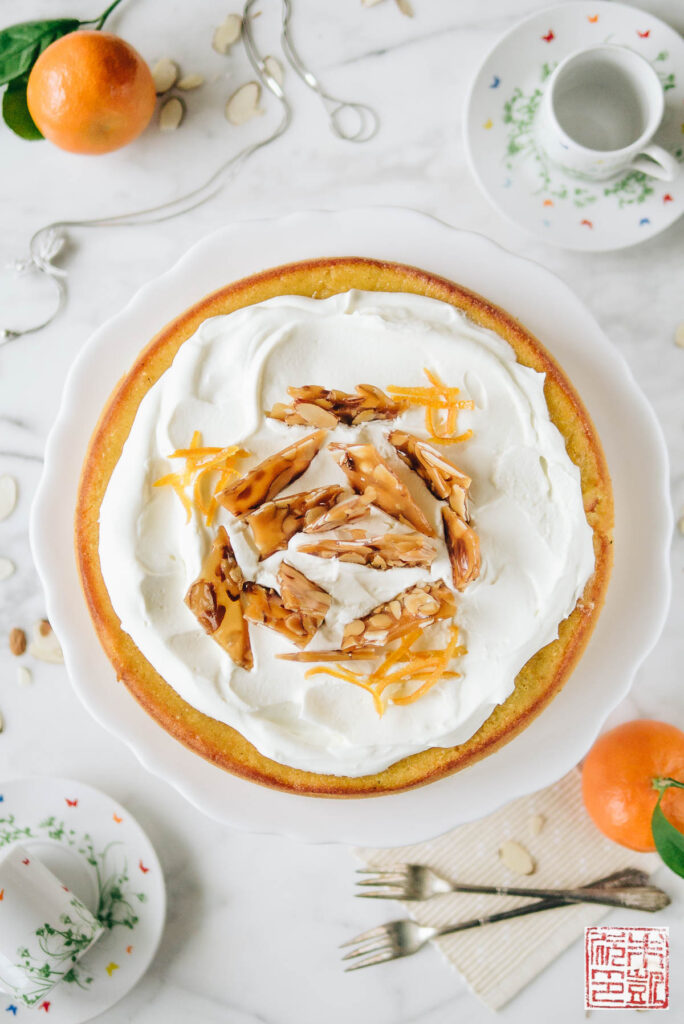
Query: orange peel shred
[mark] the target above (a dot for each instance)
(200, 462)
(442, 406)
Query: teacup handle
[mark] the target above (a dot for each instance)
(661, 165)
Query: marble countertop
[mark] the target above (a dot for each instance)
(254, 921)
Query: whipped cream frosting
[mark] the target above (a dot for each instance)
(526, 504)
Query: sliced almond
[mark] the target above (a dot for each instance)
(315, 416)
(370, 3)
(243, 105)
(171, 114)
(24, 675)
(45, 646)
(679, 335)
(2, 723)
(536, 824)
(227, 33)
(680, 524)
(405, 8)
(189, 82)
(17, 641)
(274, 69)
(516, 858)
(6, 568)
(8, 496)
(165, 75)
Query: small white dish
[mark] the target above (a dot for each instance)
(102, 855)
(629, 625)
(505, 142)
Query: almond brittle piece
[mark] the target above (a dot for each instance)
(215, 600)
(275, 522)
(320, 407)
(463, 546)
(344, 511)
(300, 594)
(271, 476)
(445, 480)
(366, 469)
(266, 606)
(353, 654)
(420, 605)
(389, 551)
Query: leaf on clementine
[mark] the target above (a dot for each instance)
(668, 839)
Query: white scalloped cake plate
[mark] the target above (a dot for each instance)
(500, 130)
(629, 625)
(100, 851)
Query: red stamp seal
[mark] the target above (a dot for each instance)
(626, 967)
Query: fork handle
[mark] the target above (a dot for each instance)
(503, 915)
(583, 895)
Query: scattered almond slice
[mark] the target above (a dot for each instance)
(45, 645)
(346, 510)
(536, 824)
(171, 114)
(275, 522)
(300, 594)
(405, 8)
(227, 33)
(388, 551)
(420, 604)
(275, 69)
(443, 479)
(272, 475)
(24, 675)
(243, 105)
(189, 82)
(2, 723)
(370, 3)
(369, 403)
(8, 496)
(680, 524)
(365, 468)
(679, 335)
(215, 601)
(265, 606)
(7, 568)
(516, 858)
(463, 547)
(165, 74)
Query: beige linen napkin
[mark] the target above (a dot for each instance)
(498, 960)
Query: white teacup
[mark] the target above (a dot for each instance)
(600, 111)
(44, 928)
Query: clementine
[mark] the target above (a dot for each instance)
(617, 780)
(90, 92)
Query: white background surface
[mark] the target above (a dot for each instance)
(254, 921)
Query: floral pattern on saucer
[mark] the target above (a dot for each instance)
(513, 169)
(113, 853)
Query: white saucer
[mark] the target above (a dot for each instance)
(101, 853)
(512, 169)
(629, 625)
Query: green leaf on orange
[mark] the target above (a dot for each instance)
(21, 45)
(15, 110)
(669, 840)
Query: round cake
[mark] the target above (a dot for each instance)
(344, 528)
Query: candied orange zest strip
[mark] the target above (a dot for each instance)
(436, 399)
(199, 462)
(349, 677)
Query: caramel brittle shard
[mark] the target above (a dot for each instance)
(389, 551)
(271, 476)
(463, 546)
(445, 480)
(366, 470)
(300, 594)
(264, 605)
(419, 605)
(275, 522)
(345, 510)
(320, 407)
(215, 600)
(353, 654)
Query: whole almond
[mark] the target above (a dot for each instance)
(165, 75)
(17, 641)
(44, 627)
(516, 858)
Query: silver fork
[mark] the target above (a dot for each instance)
(402, 938)
(414, 882)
